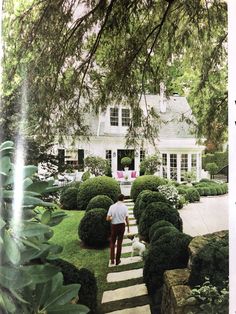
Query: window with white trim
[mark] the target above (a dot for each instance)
(194, 162)
(173, 166)
(125, 117)
(184, 165)
(164, 165)
(114, 116)
(108, 156)
(142, 155)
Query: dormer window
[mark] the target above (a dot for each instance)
(125, 117)
(114, 116)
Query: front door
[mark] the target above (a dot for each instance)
(125, 153)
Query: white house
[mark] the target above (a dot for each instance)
(176, 144)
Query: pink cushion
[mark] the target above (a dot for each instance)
(120, 174)
(133, 174)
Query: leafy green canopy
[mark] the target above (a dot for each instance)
(80, 56)
(28, 283)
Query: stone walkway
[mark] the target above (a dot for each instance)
(130, 298)
(207, 216)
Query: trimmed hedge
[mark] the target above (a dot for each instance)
(146, 182)
(212, 262)
(157, 211)
(88, 290)
(68, 198)
(93, 229)
(162, 231)
(169, 252)
(146, 199)
(97, 186)
(136, 204)
(207, 188)
(100, 201)
(157, 225)
(192, 195)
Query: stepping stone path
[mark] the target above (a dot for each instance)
(137, 292)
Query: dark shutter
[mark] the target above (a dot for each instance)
(80, 159)
(61, 159)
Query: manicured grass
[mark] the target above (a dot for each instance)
(66, 235)
(96, 260)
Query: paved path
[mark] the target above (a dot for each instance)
(133, 298)
(207, 216)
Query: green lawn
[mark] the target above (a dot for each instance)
(66, 235)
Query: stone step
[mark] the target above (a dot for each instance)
(131, 216)
(126, 241)
(124, 293)
(132, 230)
(144, 309)
(132, 222)
(125, 275)
(127, 249)
(128, 260)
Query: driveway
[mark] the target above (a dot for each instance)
(207, 216)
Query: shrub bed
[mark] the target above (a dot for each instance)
(212, 262)
(88, 290)
(136, 204)
(146, 182)
(146, 199)
(158, 224)
(192, 195)
(162, 231)
(100, 201)
(97, 186)
(68, 198)
(94, 230)
(158, 211)
(210, 187)
(169, 252)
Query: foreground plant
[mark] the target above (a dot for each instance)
(28, 283)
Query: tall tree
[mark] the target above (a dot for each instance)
(79, 56)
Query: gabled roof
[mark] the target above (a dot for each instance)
(177, 118)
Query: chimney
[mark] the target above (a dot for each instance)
(162, 101)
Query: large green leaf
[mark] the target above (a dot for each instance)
(39, 186)
(43, 291)
(29, 171)
(32, 229)
(27, 182)
(5, 164)
(41, 273)
(52, 189)
(11, 248)
(2, 223)
(7, 151)
(6, 144)
(56, 218)
(62, 295)
(68, 309)
(14, 278)
(46, 216)
(6, 302)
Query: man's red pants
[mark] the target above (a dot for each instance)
(117, 232)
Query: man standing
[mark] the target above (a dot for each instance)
(118, 215)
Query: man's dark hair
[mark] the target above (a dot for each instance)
(121, 197)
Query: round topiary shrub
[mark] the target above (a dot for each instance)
(158, 211)
(85, 176)
(146, 199)
(136, 204)
(88, 290)
(192, 195)
(97, 186)
(93, 229)
(212, 262)
(161, 231)
(68, 198)
(126, 161)
(169, 252)
(100, 201)
(146, 182)
(157, 225)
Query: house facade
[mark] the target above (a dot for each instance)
(177, 146)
